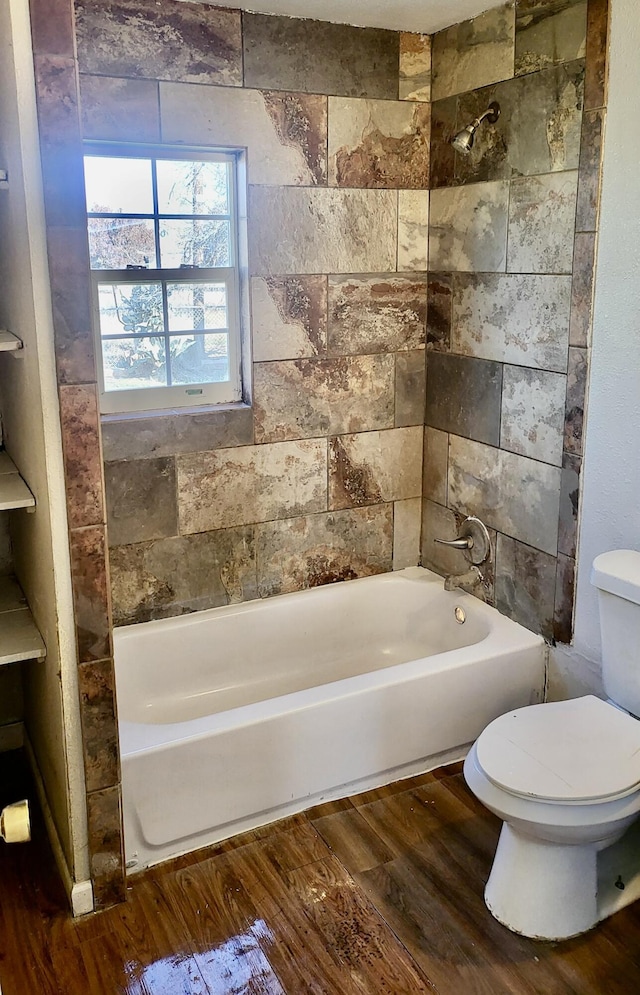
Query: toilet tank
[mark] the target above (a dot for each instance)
(616, 575)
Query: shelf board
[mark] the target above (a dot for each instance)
(19, 636)
(9, 342)
(14, 493)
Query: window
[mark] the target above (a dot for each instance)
(163, 247)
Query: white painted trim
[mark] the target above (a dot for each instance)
(11, 738)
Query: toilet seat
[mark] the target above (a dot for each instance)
(577, 751)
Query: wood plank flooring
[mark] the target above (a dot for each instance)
(380, 893)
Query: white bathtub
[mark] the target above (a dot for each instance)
(233, 717)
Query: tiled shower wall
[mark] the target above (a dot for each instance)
(511, 254)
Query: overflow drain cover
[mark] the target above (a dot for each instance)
(460, 614)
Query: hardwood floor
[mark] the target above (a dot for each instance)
(380, 893)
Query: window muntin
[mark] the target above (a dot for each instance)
(163, 248)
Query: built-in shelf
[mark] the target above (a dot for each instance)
(19, 636)
(9, 342)
(14, 493)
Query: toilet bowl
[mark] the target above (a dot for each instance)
(565, 779)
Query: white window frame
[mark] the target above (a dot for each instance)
(174, 395)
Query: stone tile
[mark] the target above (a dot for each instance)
(569, 504)
(519, 319)
(233, 487)
(439, 305)
(289, 317)
(71, 304)
(379, 143)
(565, 593)
(434, 465)
(542, 214)
(309, 398)
(52, 27)
(473, 53)
(468, 228)
(576, 391)
(512, 494)
(410, 388)
(549, 32)
(132, 437)
(182, 574)
(321, 549)
(463, 396)
(533, 413)
(584, 253)
(382, 313)
(288, 53)
(96, 685)
(595, 87)
(525, 585)
(104, 814)
(120, 109)
(407, 522)
(294, 230)
(444, 118)
(159, 39)
(82, 458)
(415, 66)
(286, 133)
(374, 467)
(413, 229)
(90, 596)
(141, 500)
(589, 178)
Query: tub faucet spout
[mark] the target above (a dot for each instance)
(467, 581)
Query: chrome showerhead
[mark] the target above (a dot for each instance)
(463, 140)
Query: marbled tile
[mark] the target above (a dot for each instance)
(133, 437)
(81, 452)
(525, 585)
(307, 552)
(182, 574)
(379, 143)
(369, 314)
(589, 170)
(439, 305)
(413, 229)
(60, 143)
(512, 494)
(407, 523)
(533, 413)
(520, 319)
(90, 596)
(159, 39)
(468, 228)
(120, 109)
(295, 230)
(463, 396)
(565, 593)
(96, 686)
(435, 465)
(141, 500)
(542, 214)
(289, 317)
(250, 484)
(287, 53)
(549, 32)
(576, 391)
(307, 398)
(584, 257)
(595, 86)
(569, 504)
(410, 388)
(444, 116)
(374, 467)
(286, 133)
(52, 27)
(473, 53)
(415, 66)
(71, 304)
(104, 815)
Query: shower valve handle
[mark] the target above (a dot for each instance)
(464, 542)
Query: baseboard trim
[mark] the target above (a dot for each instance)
(11, 737)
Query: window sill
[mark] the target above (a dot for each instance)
(174, 431)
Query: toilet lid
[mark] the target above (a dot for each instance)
(579, 750)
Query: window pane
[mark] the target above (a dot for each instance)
(196, 305)
(194, 243)
(118, 186)
(135, 308)
(199, 358)
(115, 243)
(192, 187)
(129, 364)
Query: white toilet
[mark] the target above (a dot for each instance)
(565, 778)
